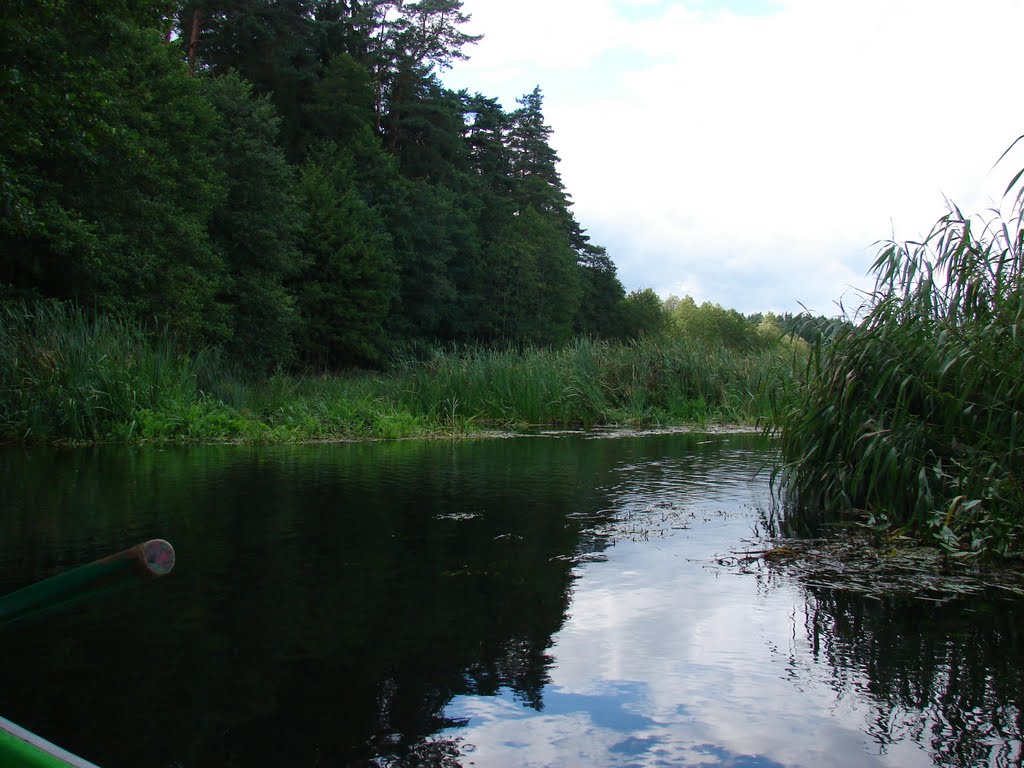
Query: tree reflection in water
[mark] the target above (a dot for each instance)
(949, 675)
(330, 601)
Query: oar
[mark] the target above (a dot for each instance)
(149, 559)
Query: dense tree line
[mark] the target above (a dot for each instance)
(289, 180)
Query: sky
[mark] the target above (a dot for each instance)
(753, 153)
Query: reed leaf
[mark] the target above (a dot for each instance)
(912, 412)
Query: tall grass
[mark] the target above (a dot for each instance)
(66, 375)
(910, 420)
(640, 383)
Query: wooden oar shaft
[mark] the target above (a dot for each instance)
(149, 559)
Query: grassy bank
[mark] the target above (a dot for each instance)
(66, 376)
(910, 421)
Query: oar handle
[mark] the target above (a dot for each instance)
(155, 557)
(149, 559)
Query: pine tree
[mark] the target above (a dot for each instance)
(350, 283)
(600, 312)
(271, 43)
(256, 226)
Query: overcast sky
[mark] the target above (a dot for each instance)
(751, 152)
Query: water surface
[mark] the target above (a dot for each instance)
(536, 601)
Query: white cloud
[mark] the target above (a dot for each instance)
(754, 159)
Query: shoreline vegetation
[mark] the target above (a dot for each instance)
(72, 377)
(208, 239)
(908, 422)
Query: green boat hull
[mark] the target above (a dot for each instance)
(19, 747)
(22, 748)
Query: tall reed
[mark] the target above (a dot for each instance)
(69, 374)
(643, 383)
(910, 420)
(66, 375)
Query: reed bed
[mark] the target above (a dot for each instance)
(69, 376)
(651, 382)
(909, 421)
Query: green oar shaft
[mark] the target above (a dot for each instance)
(146, 560)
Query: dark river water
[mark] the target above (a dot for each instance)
(553, 600)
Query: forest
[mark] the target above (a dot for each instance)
(287, 181)
(216, 215)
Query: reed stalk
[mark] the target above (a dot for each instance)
(909, 420)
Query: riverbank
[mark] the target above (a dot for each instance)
(70, 378)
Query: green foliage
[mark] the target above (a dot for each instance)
(910, 419)
(642, 383)
(422, 219)
(271, 44)
(536, 284)
(424, 128)
(601, 312)
(712, 324)
(534, 161)
(487, 126)
(255, 226)
(806, 326)
(350, 283)
(107, 172)
(643, 314)
(296, 189)
(67, 375)
(342, 101)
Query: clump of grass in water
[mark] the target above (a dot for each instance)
(910, 420)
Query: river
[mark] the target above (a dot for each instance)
(546, 600)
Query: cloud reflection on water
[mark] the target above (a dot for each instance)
(665, 661)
